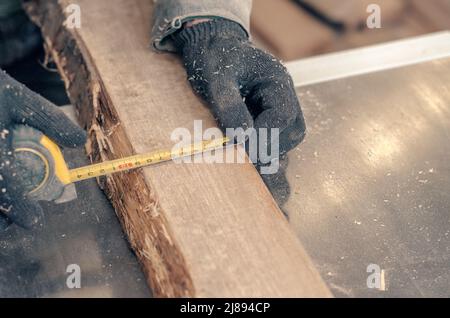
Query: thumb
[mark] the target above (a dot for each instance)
(39, 113)
(29, 108)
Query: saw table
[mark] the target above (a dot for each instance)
(371, 182)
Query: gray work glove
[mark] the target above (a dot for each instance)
(19, 105)
(18, 38)
(243, 85)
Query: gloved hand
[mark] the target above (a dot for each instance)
(19, 105)
(18, 38)
(244, 86)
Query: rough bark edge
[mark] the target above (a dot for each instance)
(160, 257)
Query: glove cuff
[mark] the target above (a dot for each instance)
(205, 31)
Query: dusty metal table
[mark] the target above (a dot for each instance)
(371, 182)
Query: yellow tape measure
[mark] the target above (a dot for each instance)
(48, 177)
(138, 161)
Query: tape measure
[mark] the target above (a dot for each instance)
(44, 171)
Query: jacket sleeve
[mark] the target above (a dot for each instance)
(170, 15)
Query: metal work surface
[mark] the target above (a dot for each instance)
(371, 183)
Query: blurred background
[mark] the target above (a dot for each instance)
(292, 29)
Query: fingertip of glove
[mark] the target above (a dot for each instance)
(77, 138)
(72, 138)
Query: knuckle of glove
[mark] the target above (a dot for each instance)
(11, 190)
(9, 92)
(4, 223)
(9, 187)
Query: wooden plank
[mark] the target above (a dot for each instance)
(291, 32)
(198, 230)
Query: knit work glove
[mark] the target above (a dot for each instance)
(19, 105)
(243, 85)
